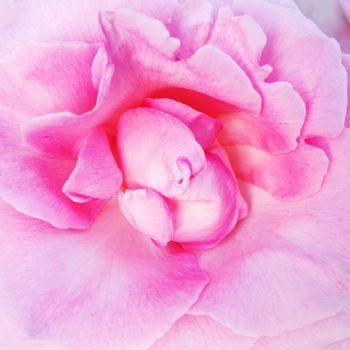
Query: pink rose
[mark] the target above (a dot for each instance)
(172, 176)
(332, 16)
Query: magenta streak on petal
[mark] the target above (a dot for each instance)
(96, 174)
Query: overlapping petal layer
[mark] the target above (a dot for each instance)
(157, 151)
(297, 252)
(106, 288)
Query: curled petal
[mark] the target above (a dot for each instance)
(317, 74)
(157, 151)
(96, 174)
(148, 212)
(33, 184)
(203, 127)
(209, 208)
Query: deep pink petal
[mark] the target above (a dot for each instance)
(107, 288)
(202, 333)
(290, 176)
(296, 252)
(149, 213)
(209, 208)
(157, 151)
(96, 174)
(203, 127)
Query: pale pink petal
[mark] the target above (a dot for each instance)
(287, 260)
(109, 287)
(98, 68)
(201, 333)
(209, 208)
(96, 174)
(157, 151)
(302, 55)
(149, 213)
(203, 127)
(191, 22)
(346, 63)
(65, 20)
(331, 17)
(33, 184)
(40, 78)
(224, 80)
(290, 176)
(240, 37)
(278, 127)
(340, 345)
(315, 336)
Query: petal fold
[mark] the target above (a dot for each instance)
(208, 210)
(157, 151)
(203, 127)
(289, 176)
(96, 174)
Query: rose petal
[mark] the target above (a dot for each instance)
(65, 20)
(202, 333)
(108, 288)
(148, 212)
(302, 55)
(290, 176)
(154, 61)
(33, 184)
(239, 36)
(96, 174)
(296, 252)
(41, 78)
(203, 127)
(278, 127)
(346, 63)
(209, 208)
(318, 335)
(191, 22)
(229, 83)
(157, 151)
